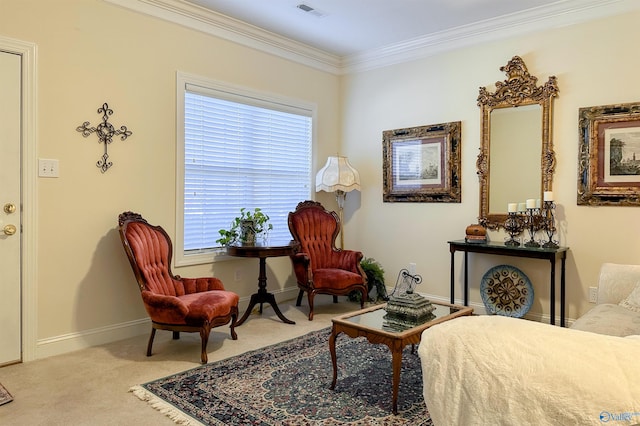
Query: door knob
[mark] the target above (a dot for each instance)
(9, 208)
(9, 229)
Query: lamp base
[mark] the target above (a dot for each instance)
(340, 196)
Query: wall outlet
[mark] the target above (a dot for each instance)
(237, 276)
(48, 168)
(412, 268)
(593, 294)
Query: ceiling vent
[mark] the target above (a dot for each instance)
(310, 10)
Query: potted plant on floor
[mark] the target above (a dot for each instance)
(245, 228)
(375, 277)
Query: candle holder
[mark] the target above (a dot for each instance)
(532, 223)
(514, 226)
(549, 224)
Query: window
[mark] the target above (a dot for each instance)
(237, 149)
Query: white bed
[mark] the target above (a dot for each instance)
(494, 370)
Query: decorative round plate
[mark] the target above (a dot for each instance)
(507, 291)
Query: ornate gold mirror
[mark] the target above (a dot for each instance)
(516, 160)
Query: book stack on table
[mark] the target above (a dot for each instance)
(476, 234)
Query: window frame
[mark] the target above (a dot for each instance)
(234, 93)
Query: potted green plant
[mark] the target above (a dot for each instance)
(375, 277)
(245, 227)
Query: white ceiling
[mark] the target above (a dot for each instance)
(344, 36)
(349, 27)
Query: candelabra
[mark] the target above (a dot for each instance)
(533, 224)
(514, 226)
(534, 218)
(549, 224)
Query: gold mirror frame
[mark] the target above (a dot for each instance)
(518, 89)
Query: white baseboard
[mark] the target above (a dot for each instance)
(84, 339)
(281, 295)
(479, 309)
(99, 336)
(58, 345)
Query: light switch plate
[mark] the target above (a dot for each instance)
(48, 168)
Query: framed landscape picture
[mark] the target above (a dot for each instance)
(609, 155)
(422, 164)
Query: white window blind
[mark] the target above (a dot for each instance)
(241, 151)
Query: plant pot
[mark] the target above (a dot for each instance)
(247, 232)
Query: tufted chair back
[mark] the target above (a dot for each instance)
(152, 250)
(319, 266)
(316, 230)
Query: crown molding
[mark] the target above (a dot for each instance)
(563, 13)
(542, 18)
(213, 23)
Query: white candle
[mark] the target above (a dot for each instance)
(521, 207)
(531, 203)
(512, 207)
(538, 204)
(548, 195)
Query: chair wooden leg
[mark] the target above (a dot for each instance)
(310, 297)
(364, 297)
(204, 335)
(299, 301)
(150, 344)
(176, 335)
(234, 318)
(335, 299)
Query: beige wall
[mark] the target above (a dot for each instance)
(90, 52)
(594, 66)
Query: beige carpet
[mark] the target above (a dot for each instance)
(91, 386)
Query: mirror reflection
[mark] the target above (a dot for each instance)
(516, 159)
(514, 172)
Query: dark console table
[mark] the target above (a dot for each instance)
(500, 249)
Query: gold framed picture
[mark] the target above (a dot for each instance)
(609, 155)
(422, 164)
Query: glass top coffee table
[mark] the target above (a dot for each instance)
(372, 324)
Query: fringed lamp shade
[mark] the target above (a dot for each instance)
(337, 175)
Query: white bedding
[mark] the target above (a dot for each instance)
(493, 370)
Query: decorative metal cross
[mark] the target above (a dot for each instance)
(106, 132)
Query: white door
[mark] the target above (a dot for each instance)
(10, 209)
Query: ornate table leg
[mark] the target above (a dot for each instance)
(397, 366)
(263, 296)
(552, 296)
(334, 359)
(562, 290)
(451, 275)
(466, 278)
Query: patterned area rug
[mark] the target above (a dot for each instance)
(288, 384)
(5, 396)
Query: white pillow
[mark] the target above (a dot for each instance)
(632, 301)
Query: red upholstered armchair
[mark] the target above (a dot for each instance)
(173, 303)
(319, 266)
